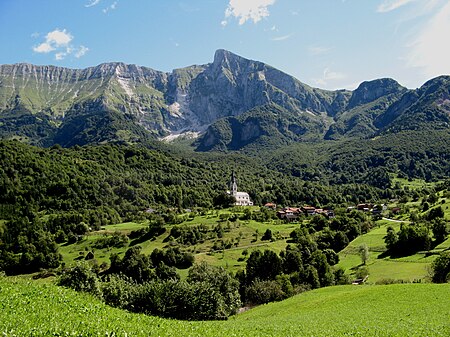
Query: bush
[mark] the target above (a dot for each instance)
(116, 240)
(441, 268)
(81, 278)
(118, 291)
(265, 291)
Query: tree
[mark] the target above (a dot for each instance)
(263, 266)
(266, 291)
(224, 200)
(292, 260)
(441, 268)
(220, 282)
(268, 236)
(134, 265)
(81, 278)
(364, 253)
(435, 213)
(164, 272)
(391, 239)
(439, 229)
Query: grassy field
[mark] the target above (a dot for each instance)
(43, 309)
(414, 184)
(243, 235)
(242, 231)
(410, 268)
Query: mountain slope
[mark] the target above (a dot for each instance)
(425, 108)
(115, 102)
(367, 102)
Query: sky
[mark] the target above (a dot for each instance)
(329, 44)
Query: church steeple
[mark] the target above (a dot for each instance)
(233, 184)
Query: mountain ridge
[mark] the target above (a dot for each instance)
(122, 102)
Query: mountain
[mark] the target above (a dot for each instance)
(367, 102)
(230, 103)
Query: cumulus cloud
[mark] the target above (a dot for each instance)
(54, 40)
(430, 50)
(390, 5)
(247, 10)
(59, 42)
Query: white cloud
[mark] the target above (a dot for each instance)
(59, 37)
(53, 40)
(60, 56)
(92, 3)
(59, 41)
(329, 76)
(81, 51)
(318, 50)
(430, 51)
(390, 5)
(245, 10)
(44, 48)
(281, 38)
(112, 7)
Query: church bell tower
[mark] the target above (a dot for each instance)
(233, 184)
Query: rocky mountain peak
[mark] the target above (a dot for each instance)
(370, 91)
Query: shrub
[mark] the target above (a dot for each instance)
(118, 291)
(264, 291)
(81, 278)
(441, 268)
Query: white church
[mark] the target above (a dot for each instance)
(242, 198)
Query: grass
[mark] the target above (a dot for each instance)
(413, 184)
(43, 309)
(244, 231)
(410, 268)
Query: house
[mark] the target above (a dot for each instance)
(330, 214)
(271, 206)
(396, 210)
(309, 210)
(360, 280)
(242, 198)
(364, 207)
(289, 213)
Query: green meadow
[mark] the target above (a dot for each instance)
(408, 269)
(30, 308)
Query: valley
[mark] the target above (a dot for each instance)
(114, 183)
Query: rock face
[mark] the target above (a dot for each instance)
(45, 105)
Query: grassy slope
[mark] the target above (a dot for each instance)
(227, 258)
(36, 309)
(408, 268)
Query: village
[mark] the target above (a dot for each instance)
(293, 213)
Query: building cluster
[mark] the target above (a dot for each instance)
(293, 213)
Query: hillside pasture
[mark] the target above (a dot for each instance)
(43, 309)
(408, 269)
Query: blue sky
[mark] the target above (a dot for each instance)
(329, 44)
